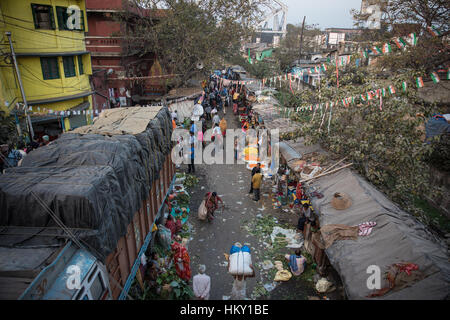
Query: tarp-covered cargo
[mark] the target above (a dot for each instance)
(95, 181)
(397, 237)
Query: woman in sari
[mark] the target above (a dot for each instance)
(212, 203)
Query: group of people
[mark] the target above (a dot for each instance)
(12, 156)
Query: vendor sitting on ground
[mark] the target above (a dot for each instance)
(301, 222)
(297, 262)
(151, 274)
(308, 212)
(174, 227)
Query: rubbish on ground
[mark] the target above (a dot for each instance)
(323, 285)
(309, 172)
(226, 297)
(313, 298)
(267, 265)
(327, 173)
(294, 239)
(270, 286)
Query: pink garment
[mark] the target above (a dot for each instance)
(365, 228)
(300, 265)
(200, 136)
(201, 284)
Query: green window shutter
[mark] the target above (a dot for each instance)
(82, 20)
(61, 14)
(80, 65)
(52, 18)
(69, 67)
(50, 68)
(45, 69)
(33, 10)
(43, 17)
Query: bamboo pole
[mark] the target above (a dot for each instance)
(334, 165)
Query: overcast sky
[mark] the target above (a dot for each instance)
(326, 13)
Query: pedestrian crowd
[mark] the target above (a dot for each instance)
(12, 155)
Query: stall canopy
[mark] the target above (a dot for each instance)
(397, 237)
(94, 180)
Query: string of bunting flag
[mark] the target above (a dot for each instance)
(369, 96)
(64, 113)
(386, 48)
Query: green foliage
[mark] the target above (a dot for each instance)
(386, 146)
(187, 32)
(190, 181)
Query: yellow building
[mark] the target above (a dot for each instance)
(49, 41)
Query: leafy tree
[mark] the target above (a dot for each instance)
(402, 17)
(188, 32)
(289, 49)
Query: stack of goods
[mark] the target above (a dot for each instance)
(240, 260)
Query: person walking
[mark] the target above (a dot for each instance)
(256, 183)
(201, 284)
(212, 203)
(218, 139)
(191, 167)
(223, 127)
(239, 290)
(216, 120)
(258, 167)
(208, 110)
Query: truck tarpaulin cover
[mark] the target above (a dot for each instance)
(397, 237)
(92, 181)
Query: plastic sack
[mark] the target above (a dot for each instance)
(164, 236)
(240, 264)
(202, 211)
(283, 275)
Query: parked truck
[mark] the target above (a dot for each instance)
(77, 217)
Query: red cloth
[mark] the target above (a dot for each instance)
(212, 205)
(180, 252)
(170, 224)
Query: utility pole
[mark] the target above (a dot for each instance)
(301, 38)
(22, 91)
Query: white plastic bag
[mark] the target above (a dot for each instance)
(202, 211)
(240, 264)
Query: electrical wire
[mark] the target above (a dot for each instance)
(48, 84)
(34, 30)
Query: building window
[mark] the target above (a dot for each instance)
(43, 17)
(69, 67)
(50, 68)
(80, 65)
(63, 17)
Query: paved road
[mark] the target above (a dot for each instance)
(211, 241)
